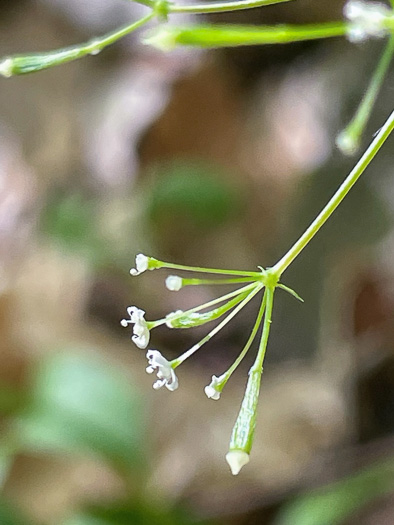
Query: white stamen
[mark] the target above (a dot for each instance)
(141, 332)
(237, 459)
(367, 20)
(165, 373)
(174, 283)
(211, 390)
(141, 264)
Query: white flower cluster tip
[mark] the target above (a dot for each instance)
(366, 20)
(140, 329)
(141, 264)
(174, 283)
(165, 372)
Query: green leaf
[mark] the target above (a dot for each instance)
(10, 516)
(192, 194)
(332, 504)
(137, 514)
(82, 404)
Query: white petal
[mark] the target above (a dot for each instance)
(140, 341)
(141, 262)
(211, 393)
(237, 459)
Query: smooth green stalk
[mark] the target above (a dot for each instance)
(243, 431)
(336, 200)
(32, 62)
(212, 36)
(194, 319)
(221, 7)
(226, 375)
(198, 269)
(348, 141)
(197, 282)
(147, 3)
(176, 362)
(154, 324)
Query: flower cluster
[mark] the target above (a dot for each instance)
(225, 308)
(367, 19)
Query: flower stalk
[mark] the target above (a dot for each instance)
(337, 198)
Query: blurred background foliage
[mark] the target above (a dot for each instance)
(204, 158)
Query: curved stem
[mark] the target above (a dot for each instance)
(32, 62)
(337, 198)
(348, 140)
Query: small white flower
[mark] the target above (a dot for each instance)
(367, 19)
(141, 264)
(174, 283)
(165, 372)
(211, 390)
(140, 329)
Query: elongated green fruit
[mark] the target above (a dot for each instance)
(243, 431)
(166, 38)
(197, 319)
(32, 62)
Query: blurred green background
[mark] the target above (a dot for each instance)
(203, 158)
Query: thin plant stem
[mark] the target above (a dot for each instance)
(32, 62)
(336, 200)
(221, 7)
(197, 282)
(252, 336)
(258, 364)
(348, 140)
(212, 333)
(173, 266)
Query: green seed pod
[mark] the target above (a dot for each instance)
(243, 431)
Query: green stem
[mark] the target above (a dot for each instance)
(176, 362)
(219, 7)
(258, 364)
(30, 63)
(349, 139)
(226, 375)
(197, 269)
(197, 282)
(336, 200)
